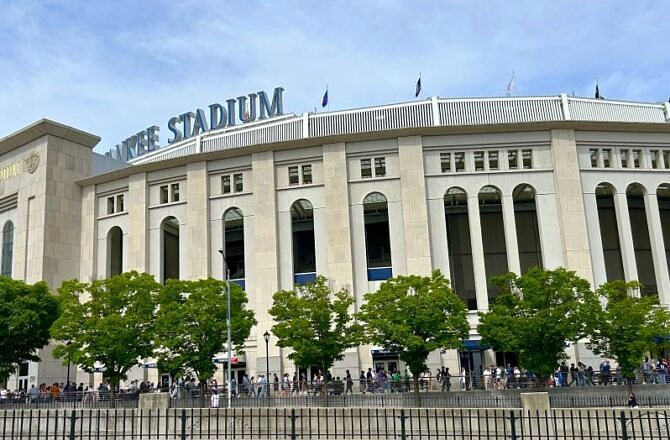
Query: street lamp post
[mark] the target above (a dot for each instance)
(67, 380)
(226, 271)
(266, 336)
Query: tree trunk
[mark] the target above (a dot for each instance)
(417, 395)
(325, 384)
(201, 386)
(112, 394)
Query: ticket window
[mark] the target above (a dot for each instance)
(389, 365)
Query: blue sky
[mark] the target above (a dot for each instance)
(114, 68)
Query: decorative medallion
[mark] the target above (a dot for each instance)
(32, 162)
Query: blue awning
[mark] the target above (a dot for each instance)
(474, 345)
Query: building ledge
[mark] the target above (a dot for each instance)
(45, 127)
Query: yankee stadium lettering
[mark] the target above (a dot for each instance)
(255, 106)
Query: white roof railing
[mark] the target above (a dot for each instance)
(416, 114)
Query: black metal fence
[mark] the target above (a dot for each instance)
(331, 423)
(647, 397)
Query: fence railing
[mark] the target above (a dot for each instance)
(605, 397)
(330, 423)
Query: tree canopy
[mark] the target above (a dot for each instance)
(535, 315)
(315, 322)
(191, 325)
(625, 327)
(108, 323)
(26, 314)
(414, 315)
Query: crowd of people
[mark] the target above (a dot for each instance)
(378, 380)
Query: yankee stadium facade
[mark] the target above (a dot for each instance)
(473, 187)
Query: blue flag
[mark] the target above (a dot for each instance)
(324, 101)
(418, 87)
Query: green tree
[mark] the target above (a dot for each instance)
(414, 315)
(26, 314)
(109, 323)
(191, 326)
(625, 327)
(315, 322)
(535, 315)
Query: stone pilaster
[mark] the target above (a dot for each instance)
(266, 275)
(138, 226)
(338, 228)
(89, 233)
(197, 215)
(414, 205)
(570, 203)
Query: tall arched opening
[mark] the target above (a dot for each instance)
(304, 251)
(459, 246)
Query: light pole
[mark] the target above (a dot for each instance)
(67, 380)
(226, 272)
(266, 336)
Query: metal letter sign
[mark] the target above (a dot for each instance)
(254, 106)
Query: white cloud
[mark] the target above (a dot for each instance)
(116, 67)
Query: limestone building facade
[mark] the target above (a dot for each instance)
(473, 187)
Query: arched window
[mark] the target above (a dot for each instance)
(493, 235)
(609, 232)
(170, 257)
(377, 240)
(663, 197)
(304, 251)
(460, 249)
(114, 251)
(527, 231)
(233, 230)
(7, 248)
(641, 240)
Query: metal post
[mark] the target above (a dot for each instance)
(266, 336)
(226, 271)
(293, 433)
(73, 425)
(230, 348)
(624, 432)
(67, 380)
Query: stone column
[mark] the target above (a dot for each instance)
(549, 231)
(625, 236)
(266, 280)
(89, 235)
(477, 252)
(438, 236)
(138, 223)
(511, 241)
(568, 185)
(595, 239)
(336, 190)
(414, 209)
(197, 215)
(657, 248)
(339, 244)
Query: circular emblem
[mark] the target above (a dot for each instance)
(32, 162)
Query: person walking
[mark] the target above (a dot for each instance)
(215, 399)
(350, 384)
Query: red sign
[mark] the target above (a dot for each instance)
(233, 360)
